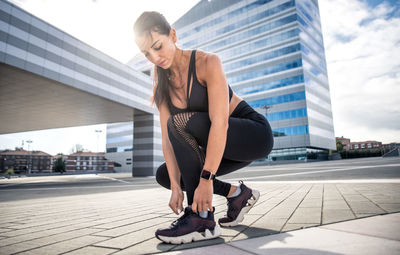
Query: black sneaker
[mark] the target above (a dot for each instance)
(190, 227)
(239, 205)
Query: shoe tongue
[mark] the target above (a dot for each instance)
(188, 210)
(230, 199)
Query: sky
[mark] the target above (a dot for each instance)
(362, 47)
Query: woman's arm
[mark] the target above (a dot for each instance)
(174, 174)
(169, 156)
(218, 107)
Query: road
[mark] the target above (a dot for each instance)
(353, 170)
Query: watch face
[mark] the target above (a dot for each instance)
(205, 174)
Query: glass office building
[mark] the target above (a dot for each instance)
(273, 56)
(119, 145)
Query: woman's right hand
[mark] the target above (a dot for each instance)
(176, 201)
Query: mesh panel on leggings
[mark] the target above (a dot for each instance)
(179, 121)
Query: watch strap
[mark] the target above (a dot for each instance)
(205, 174)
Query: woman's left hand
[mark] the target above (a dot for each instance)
(202, 199)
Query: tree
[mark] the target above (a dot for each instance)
(76, 148)
(339, 146)
(59, 165)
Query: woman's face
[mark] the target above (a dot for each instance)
(158, 49)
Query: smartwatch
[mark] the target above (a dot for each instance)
(205, 174)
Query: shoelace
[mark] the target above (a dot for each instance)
(180, 220)
(230, 210)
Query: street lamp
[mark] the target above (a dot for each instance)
(30, 156)
(98, 131)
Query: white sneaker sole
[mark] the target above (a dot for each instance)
(251, 202)
(194, 236)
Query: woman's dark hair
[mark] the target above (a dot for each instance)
(155, 22)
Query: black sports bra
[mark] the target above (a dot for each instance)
(198, 99)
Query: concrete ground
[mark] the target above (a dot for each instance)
(71, 214)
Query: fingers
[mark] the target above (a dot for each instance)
(202, 206)
(180, 205)
(194, 206)
(173, 208)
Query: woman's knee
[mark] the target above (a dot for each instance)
(162, 176)
(269, 141)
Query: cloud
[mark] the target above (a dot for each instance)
(362, 46)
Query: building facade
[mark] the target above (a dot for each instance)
(25, 162)
(366, 145)
(345, 142)
(119, 145)
(88, 161)
(273, 57)
(45, 71)
(390, 146)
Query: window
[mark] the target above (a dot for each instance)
(112, 149)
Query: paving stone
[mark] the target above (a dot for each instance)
(390, 207)
(234, 231)
(125, 222)
(48, 232)
(333, 215)
(263, 226)
(365, 207)
(32, 229)
(311, 202)
(92, 250)
(2, 230)
(346, 190)
(295, 226)
(44, 238)
(134, 227)
(386, 226)
(218, 240)
(65, 246)
(315, 240)
(130, 239)
(281, 212)
(353, 197)
(306, 215)
(363, 215)
(222, 249)
(19, 247)
(262, 208)
(335, 204)
(384, 200)
(152, 245)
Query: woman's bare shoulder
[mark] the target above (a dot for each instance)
(205, 61)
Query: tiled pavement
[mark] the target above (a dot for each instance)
(124, 222)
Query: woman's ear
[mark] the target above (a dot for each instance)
(173, 36)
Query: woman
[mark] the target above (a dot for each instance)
(206, 129)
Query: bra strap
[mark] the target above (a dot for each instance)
(191, 67)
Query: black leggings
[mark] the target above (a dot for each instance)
(249, 137)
